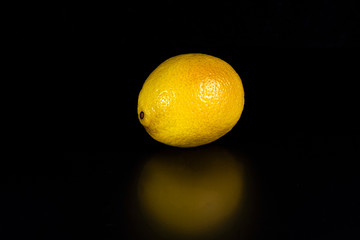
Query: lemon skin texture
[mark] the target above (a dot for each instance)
(191, 100)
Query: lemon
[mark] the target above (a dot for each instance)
(191, 100)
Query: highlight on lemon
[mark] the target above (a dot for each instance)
(191, 100)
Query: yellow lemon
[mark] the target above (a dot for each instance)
(191, 100)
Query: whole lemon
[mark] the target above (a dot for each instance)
(191, 100)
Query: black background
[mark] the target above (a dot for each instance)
(299, 129)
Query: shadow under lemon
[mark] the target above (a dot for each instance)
(191, 192)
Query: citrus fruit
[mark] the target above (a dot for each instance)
(191, 100)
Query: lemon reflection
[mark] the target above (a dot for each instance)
(191, 191)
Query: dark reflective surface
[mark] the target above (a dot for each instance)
(306, 185)
(193, 193)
